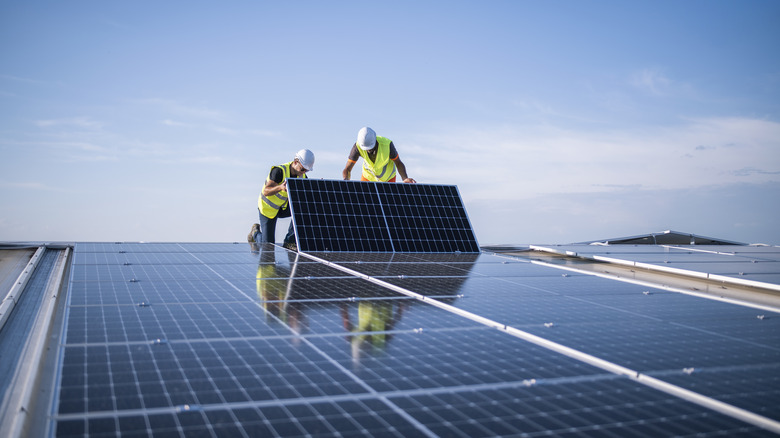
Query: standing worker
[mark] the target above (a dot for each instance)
(380, 159)
(273, 203)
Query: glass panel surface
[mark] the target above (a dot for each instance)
(223, 339)
(334, 215)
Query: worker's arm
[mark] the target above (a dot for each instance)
(402, 171)
(348, 169)
(272, 187)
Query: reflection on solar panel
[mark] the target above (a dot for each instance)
(331, 215)
(218, 340)
(745, 265)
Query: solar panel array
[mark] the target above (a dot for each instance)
(223, 340)
(729, 263)
(358, 216)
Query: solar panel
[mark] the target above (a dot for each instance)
(358, 216)
(193, 339)
(734, 264)
(175, 344)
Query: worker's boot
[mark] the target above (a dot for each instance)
(290, 245)
(252, 236)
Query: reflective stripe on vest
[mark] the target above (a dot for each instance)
(270, 205)
(383, 168)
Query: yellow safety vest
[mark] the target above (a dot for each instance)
(374, 317)
(269, 292)
(383, 168)
(270, 205)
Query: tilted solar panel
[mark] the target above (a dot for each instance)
(334, 215)
(338, 216)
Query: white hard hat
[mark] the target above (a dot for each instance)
(366, 138)
(306, 158)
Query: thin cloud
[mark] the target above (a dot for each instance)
(233, 132)
(72, 146)
(77, 122)
(94, 158)
(176, 108)
(220, 160)
(620, 186)
(244, 132)
(77, 152)
(651, 81)
(748, 171)
(30, 185)
(199, 117)
(263, 133)
(168, 122)
(226, 131)
(509, 162)
(207, 160)
(23, 80)
(82, 146)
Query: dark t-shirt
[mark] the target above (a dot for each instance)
(277, 176)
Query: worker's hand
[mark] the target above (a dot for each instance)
(283, 185)
(410, 180)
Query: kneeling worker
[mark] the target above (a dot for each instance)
(380, 159)
(273, 203)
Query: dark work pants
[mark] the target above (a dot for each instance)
(268, 230)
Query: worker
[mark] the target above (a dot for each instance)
(273, 204)
(375, 323)
(277, 290)
(380, 159)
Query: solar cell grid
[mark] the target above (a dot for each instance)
(637, 336)
(423, 219)
(130, 272)
(753, 388)
(361, 216)
(321, 289)
(410, 269)
(608, 408)
(513, 269)
(650, 347)
(469, 287)
(337, 216)
(679, 308)
(579, 285)
(450, 358)
(722, 263)
(406, 258)
(164, 247)
(291, 354)
(157, 291)
(464, 266)
(169, 321)
(759, 330)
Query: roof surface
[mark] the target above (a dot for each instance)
(180, 339)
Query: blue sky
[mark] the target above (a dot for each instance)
(559, 121)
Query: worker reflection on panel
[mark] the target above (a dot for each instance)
(375, 319)
(275, 287)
